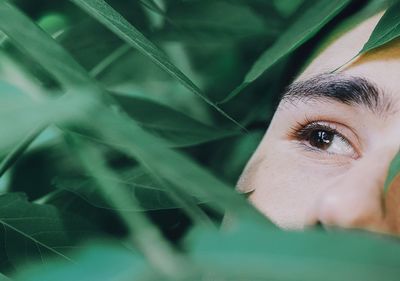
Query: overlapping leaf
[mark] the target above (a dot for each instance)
(174, 127)
(105, 14)
(31, 231)
(252, 252)
(387, 29)
(307, 25)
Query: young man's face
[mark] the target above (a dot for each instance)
(325, 156)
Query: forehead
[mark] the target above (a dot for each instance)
(380, 66)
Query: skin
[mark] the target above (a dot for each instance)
(297, 185)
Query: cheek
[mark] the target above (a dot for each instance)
(286, 186)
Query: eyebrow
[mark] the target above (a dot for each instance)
(349, 90)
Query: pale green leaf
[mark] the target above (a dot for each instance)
(253, 252)
(104, 260)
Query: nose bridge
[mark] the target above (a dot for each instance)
(354, 200)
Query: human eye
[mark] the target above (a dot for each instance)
(325, 137)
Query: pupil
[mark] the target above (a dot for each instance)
(321, 139)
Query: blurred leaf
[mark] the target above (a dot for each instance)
(27, 114)
(287, 7)
(387, 29)
(235, 153)
(105, 14)
(174, 127)
(40, 46)
(144, 235)
(307, 25)
(7, 89)
(104, 260)
(136, 183)
(4, 278)
(175, 168)
(216, 21)
(254, 252)
(32, 231)
(88, 42)
(151, 82)
(394, 171)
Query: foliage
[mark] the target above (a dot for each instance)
(118, 162)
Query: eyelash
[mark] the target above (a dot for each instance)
(302, 132)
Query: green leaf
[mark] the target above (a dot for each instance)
(174, 127)
(27, 114)
(105, 14)
(101, 260)
(4, 278)
(394, 171)
(387, 29)
(136, 183)
(254, 252)
(32, 231)
(306, 26)
(40, 46)
(172, 167)
(143, 233)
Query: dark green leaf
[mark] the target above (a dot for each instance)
(40, 46)
(174, 127)
(136, 182)
(387, 29)
(309, 23)
(173, 167)
(105, 14)
(32, 231)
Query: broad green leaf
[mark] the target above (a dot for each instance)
(142, 232)
(174, 127)
(101, 260)
(254, 252)
(136, 182)
(105, 14)
(175, 168)
(36, 232)
(394, 171)
(387, 29)
(307, 25)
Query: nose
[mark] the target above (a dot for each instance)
(356, 200)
